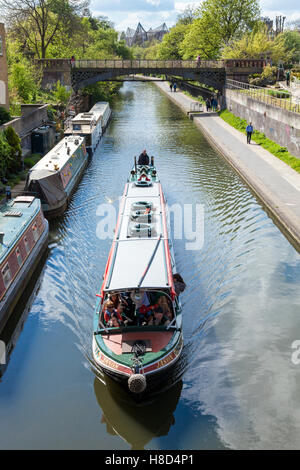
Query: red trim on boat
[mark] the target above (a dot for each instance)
(108, 264)
(166, 243)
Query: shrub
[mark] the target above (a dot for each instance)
(16, 152)
(4, 116)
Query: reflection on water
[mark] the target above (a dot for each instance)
(136, 423)
(241, 309)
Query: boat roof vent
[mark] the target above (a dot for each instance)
(12, 214)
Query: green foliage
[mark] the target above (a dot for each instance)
(60, 94)
(267, 77)
(279, 152)
(24, 78)
(291, 42)
(4, 116)
(256, 44)
(14, 142)
(218, 23)
(169, 48)
(30, 161)
(102, 91)
(5, 155)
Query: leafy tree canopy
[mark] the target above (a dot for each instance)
(217, 23)
(257, 44)
(170, 46)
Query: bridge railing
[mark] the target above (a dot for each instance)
(150, 64)
(265, 95)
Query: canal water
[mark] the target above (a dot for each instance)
(240, 385)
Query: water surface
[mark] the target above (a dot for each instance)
(239, 388)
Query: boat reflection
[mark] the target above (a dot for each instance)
(136, 423)
(14, 326)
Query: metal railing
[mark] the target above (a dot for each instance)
(150, 64)
(264, 95)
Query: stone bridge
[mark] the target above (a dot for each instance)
(87, 72)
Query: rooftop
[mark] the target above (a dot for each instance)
(14, 218)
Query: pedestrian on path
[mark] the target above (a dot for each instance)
(207, 104)
(171, 86)
(175, 86)
(198, 61)
(249, 130)
(214, 104)
(288, 78)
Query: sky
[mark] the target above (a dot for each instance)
(152, 13)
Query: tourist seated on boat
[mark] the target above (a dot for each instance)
(143, 158)
(128, 308)
(156, 316)
(114, 298)
(179, 283)
(110, 313)
(164, 303)
(115, 322)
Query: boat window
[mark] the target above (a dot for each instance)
(19, 256)
(76, 127)
(35, 232)
(6, 275)
(27, 247)
(140, 308)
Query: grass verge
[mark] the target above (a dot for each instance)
(280, 152)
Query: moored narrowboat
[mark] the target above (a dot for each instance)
(23, 239)
(90, 125)
(55, 177)
(138, 319)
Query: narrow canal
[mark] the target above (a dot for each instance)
(240, 387)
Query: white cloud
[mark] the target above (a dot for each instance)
(151, 13)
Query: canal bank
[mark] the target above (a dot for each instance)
(274, 182)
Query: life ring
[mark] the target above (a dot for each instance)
(141, 205)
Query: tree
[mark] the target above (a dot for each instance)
(37, 22)
(60, 94)
(14, 141)
(24, 81)
(4, 116)
(291, 41)
(218, 22)
(256, 44)
(170, 46)
(5, 155)
(187, 16)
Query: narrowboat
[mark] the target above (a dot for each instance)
(23, 240)
(55, 177)
(90, 125)
(138, 317)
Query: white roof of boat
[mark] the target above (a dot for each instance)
(100, 107)
(133, 254)
(58, 155)
(131, 260)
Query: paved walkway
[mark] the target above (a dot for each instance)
(275, 183)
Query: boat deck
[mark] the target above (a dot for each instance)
(120, 343)
(14, 218)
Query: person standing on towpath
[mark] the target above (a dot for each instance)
(249, 130)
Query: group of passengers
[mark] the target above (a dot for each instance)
(141, 308)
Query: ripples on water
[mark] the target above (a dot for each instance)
(240, 307)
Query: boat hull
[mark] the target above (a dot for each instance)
(20, 282)
(58, 210)
(158, 374)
